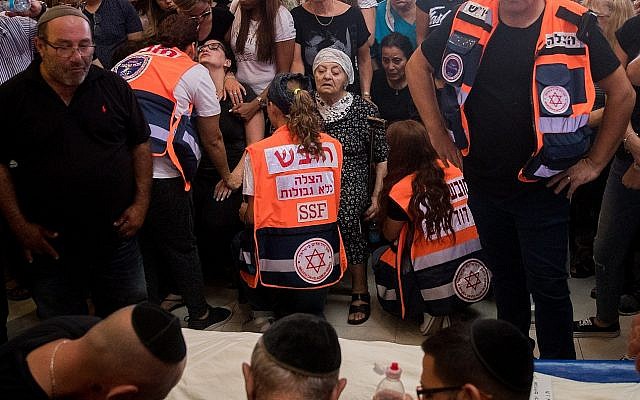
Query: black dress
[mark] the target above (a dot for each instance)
(352, 130)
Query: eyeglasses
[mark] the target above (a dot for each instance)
(201, 16)
(427, 394)
(210, 46)
(69, 51)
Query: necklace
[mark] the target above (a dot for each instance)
(52, 366)
(318, 19)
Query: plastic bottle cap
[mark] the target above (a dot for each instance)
(394, 371)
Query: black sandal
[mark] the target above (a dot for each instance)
(362, 308)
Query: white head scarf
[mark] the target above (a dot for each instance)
(329, 54)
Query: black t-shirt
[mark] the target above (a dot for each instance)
(16, 381)
(72, 165)
(221, 21)
(393, 105)
(629, 39)
(499, 109)
(437, 10)
(346, 32)
(233, 135)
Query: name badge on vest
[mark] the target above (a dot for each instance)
(132, 67)
(475, 10)
(314, 260)
(472, 280)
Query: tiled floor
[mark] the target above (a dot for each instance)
(382, 326)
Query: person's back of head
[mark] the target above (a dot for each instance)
(488, 359)
(177, 30)
(297, 358)
(140, 348)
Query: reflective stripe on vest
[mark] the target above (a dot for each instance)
(296, 199)
(153, 73)
(562, 90)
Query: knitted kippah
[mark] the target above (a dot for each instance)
(60, 11)
(159, 331)
(505, 352)
(280, 95)
(304, 344)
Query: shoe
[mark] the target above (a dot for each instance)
(364, 308)
(594, 293)
(217, 316)
(588, 328)
(629, 305)
(259, 321)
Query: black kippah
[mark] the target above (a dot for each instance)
(280, 95)
(504, 351)
(159, 331)
(304, 344)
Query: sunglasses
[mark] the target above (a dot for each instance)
(211, 47)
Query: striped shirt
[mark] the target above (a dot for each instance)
(16, 45)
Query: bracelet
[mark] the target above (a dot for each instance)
(626, 137)
(366, 94)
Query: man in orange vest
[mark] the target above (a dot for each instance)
(177, 95)
(519, 80)
(292, 181)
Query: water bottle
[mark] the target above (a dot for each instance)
(18, 6)
(391, 387)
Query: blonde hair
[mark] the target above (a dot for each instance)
(619, 10)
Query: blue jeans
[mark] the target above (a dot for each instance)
(618, 223)
(113, 278)
(525, 237)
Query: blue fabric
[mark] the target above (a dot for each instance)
(525, 239)
(619, 221)
(113, 277)
(601, 371)
(401, 26)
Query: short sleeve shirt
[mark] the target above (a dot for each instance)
(398, 24)
(258, 74)
(437, 10)
(111, 23)
(16, 42)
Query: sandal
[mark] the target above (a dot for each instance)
(362, 308)
(172, 303)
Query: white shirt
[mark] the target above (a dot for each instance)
(258, 74)
(194, 87)
(367, 3)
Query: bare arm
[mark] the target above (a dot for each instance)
(369, 15)
(365, 71)
(33, 237)
(135, 36)
(422, 25)
(420, 79)
(633, 71)
(381, 172)
(297, 66)
(132, 218)
(211, 138)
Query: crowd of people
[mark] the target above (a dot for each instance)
(491, 143)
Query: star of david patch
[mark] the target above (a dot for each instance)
(555, 99)
(314, 260)
(471, 281)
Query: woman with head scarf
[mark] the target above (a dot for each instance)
(346, 118)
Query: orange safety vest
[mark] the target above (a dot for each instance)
(153, 74)
(295, 212)
(448, 271)
(562, 91)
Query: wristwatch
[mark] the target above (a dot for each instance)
(262, 102)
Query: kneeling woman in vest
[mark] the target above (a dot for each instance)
(434, 265)
(292, 186)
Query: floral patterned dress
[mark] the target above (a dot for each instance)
(346, 120)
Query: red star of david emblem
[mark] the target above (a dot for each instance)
(475, 277)
(318, 258)
(556, 100)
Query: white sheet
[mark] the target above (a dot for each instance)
(215, 358)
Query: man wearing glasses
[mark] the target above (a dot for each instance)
(491, 359)
(75, 173)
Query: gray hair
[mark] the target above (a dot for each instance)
(270, 378)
